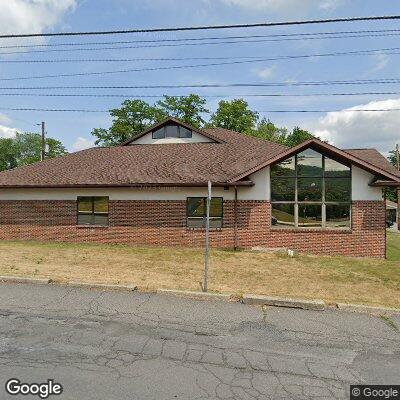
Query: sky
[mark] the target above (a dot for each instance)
(344, 128)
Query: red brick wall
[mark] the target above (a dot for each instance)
(164, 223)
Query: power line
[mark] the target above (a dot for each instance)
(274, 37)
(216, 85)
(206, 27)
(388, 51)
(152, 46)
(263, 111)
(204, 96)
(173, 67)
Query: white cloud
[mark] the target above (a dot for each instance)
(27, 16)
(266, 72)
(349, 128)
(286, 6)
(6, 132)
(82, 143)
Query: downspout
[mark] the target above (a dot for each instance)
(235, 228)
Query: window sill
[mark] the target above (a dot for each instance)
(202, 229)
(312, 230)
(92, 226)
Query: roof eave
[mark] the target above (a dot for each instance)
(131, 185)
(384, 183)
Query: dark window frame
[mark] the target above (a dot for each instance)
(92, 213)
(323, 201)
(180, 136)
(204, 198)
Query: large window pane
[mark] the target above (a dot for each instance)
(85, 219)
(309, 189)
(171, 131)
(310, 215)
(216, 207)
(93, 210)
(197, 212)
(283, 189)
(309, 163)
(195, 207)
(185, 133)
(282, 215)
(338, 215)
(101, 220)
(334, 168)
(159, 134)
(337, 189)
(100, 204)
(284, 168)
(195, 222)
(85, 204)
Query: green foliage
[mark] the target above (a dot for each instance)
(25, 148)
(391, 193)
(187, 108)
(234, 115)
(133, 117)
(297, 136)
(267, 130)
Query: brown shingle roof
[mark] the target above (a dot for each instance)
(148, 164)
(373, 157)
(229, 160)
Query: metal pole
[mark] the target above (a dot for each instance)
(43, 144)
(398, 190)
(206, 254)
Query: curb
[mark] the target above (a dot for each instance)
(316, 305)
(196, 295)
(365, 309)
(102, 286)
(19, 279)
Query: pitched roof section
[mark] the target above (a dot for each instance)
(375, 158)
(229, 159)
(173, 121)
(168, 164)
(377, 165)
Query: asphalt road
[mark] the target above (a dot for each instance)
(121, 345)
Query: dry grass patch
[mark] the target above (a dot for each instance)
(368, 281)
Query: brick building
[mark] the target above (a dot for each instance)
(151, 191)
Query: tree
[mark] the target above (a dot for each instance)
(234, 115)
(267, 130)
(133, 117)
(25, 148)
(391, 193)
(186, 108)
(8, 158)
(298, 136)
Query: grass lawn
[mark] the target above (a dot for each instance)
(364, 281)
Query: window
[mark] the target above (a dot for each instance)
(93, 210)
(196, 212)
(172, 131)
(311, 190)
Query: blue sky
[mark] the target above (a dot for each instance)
(344, 129)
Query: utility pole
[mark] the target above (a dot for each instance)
(398, 190)
(43, 143)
